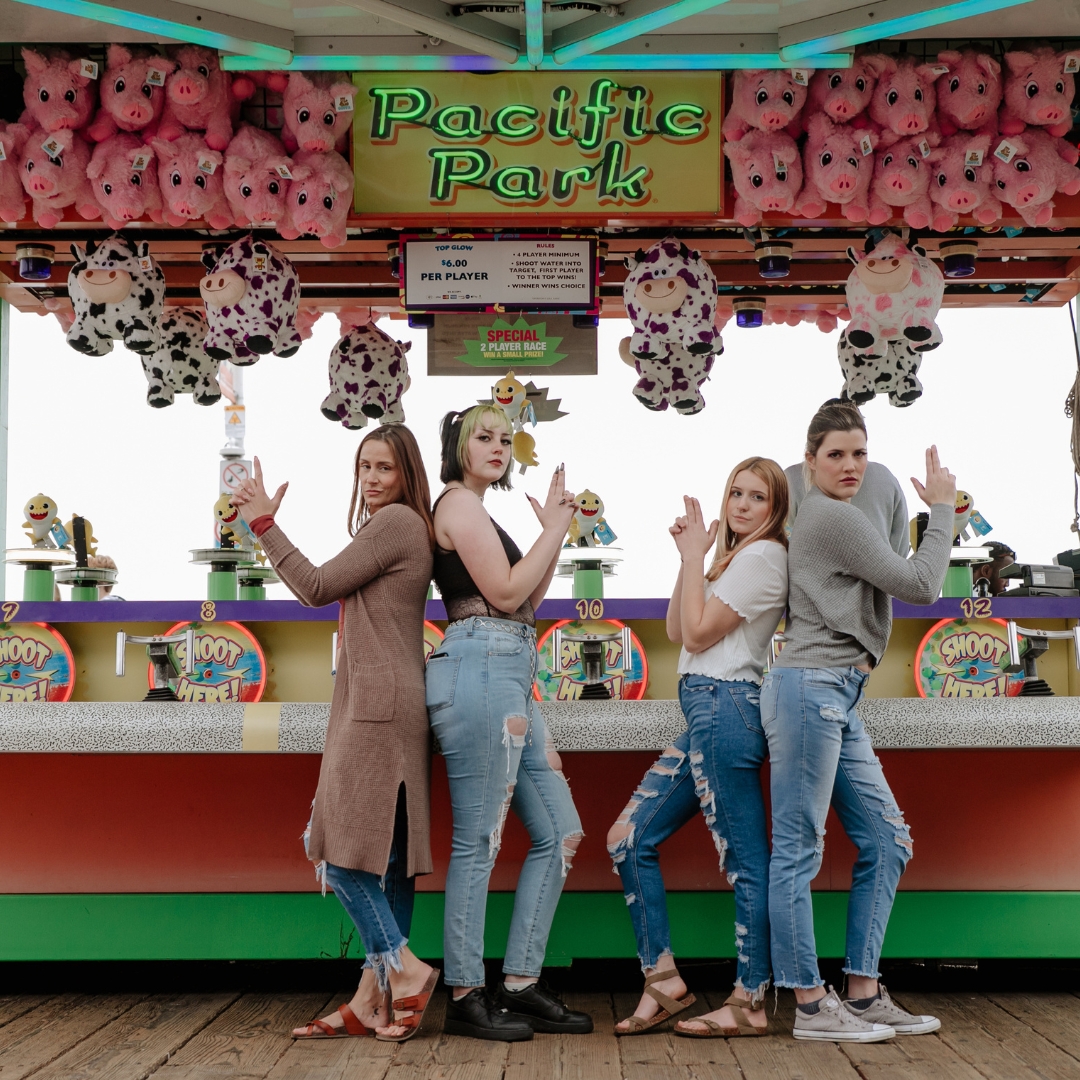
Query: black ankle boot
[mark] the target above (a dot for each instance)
(478, 1016)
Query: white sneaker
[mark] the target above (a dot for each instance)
(883, 1010)
(833, 1023)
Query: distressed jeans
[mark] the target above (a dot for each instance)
(713, 768)
(495, 743)
(381, 908)
(820, 753)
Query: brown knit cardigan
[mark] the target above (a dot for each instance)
(378, 736)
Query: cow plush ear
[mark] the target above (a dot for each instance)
(91, 247)
(209, 258)
(405, 345)
(854, 256)
(77, 253)
(919, 250)
(142, 249)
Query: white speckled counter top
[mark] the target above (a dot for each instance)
(299, 728)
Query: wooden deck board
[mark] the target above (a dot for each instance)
(1055, 1017)
(571, 1057)
(12, 1006)
(140, 1040)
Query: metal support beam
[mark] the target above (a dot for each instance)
(469, 31)
(534, 31)
(874, 22)
(636, 17)
(166, 18)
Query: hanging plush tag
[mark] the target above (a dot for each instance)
(1072, 64)
(1006, 151)
(973, 157)
(979, 525)
(88, 69)
(924, 148)
(155, 76)
(208, 166)
(940, 69)
(800, 76)
(259, 262)
(146, 264)
(283, 172)
(866, 145)
(3, 152)
(343, 103)
(141, 160)
(779, 164)
(51, 146)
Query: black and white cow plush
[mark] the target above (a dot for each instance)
(180, 366)
(368, 375)
(675, 379)
(896, 373)
(252, 293)
(118, 293)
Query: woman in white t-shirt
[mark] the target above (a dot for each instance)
(725, 619)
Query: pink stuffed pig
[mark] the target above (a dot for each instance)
(843, 95)
(197, 98)
(132, 94)
(1039, 166)
(57, 180)
(901, 181)
(257, 170)
(1037, 92)
(12, 196)
(244, 86)
(837, 168)
(314, 116)
(319, 198)
(767, 172)
(903, 101)
(969, 93)
(191, 193)
(958, 186)
(769, 100)
(125, 193)
(56, 93)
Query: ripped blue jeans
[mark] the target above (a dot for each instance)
(713, 768)
(820, 753)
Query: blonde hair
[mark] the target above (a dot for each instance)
(457, 429)
(728, 544)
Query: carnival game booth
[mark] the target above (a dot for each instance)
(199, 188)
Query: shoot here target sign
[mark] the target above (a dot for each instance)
(229, 664)
(438, 145)
(35, 663)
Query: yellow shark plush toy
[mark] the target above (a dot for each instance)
(41, 516)
(511, 396)
(588, 526)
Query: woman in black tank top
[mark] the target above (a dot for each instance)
(498, 754)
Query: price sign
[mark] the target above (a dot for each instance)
(520, 274)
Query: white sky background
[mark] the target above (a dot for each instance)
(81, 432)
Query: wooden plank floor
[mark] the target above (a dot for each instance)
(245, 1036)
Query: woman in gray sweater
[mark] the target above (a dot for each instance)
(842, 576)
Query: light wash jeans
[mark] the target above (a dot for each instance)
(380, 907)
(819, 752)
(481, 678)
(713, 768)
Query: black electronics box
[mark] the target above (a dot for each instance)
(1041, 580)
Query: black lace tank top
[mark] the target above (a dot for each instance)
(459, 592)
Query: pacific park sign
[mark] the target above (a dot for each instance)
(560, 145)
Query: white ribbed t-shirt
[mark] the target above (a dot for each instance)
(755, 584)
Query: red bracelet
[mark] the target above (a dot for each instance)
(261, 524)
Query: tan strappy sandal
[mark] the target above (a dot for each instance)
(718, 1031)
(669, 1007)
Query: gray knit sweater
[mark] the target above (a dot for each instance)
(841, 576)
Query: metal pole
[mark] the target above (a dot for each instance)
(5, 352)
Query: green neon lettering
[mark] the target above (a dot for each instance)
(458, 122)
(506, 122)
(668, 123)
(566, 180)
(519, 183)
(598, 109)
(615, 186)
(444, 174)
(562, 112)
(396, 105)
(633, 123)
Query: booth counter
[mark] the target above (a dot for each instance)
(153, 830)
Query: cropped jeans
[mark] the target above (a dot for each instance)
(713, 768)
(381, 907)
(820, 753)
(495, 743)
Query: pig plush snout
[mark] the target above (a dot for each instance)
(187, 90)
(899, 183)
(840, 109)
(135, 113)
(105, 286)
(913, 123)
(222, 289)
(844, 183)
(961, 200)
(773, 119)
(1027, 193)
(1050, 114)
(41, 185)
(319, 146)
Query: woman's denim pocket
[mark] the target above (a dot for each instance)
(506, 645)
(748, 702)
(826, 677)
(440, 681)
(770, 689)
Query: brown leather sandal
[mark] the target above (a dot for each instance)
(717, 1031)
(417, 1005)
(353, 1027)
(669, 1007)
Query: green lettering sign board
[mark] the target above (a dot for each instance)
(471, 344)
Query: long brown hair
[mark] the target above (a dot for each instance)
(416, 494)
(832, 416)
(728, 544)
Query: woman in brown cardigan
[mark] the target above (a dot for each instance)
(369, 833)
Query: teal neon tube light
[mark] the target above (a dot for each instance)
(625, 29)
(473, 62)
(534, 32)
(877, 29)
(161, 27)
